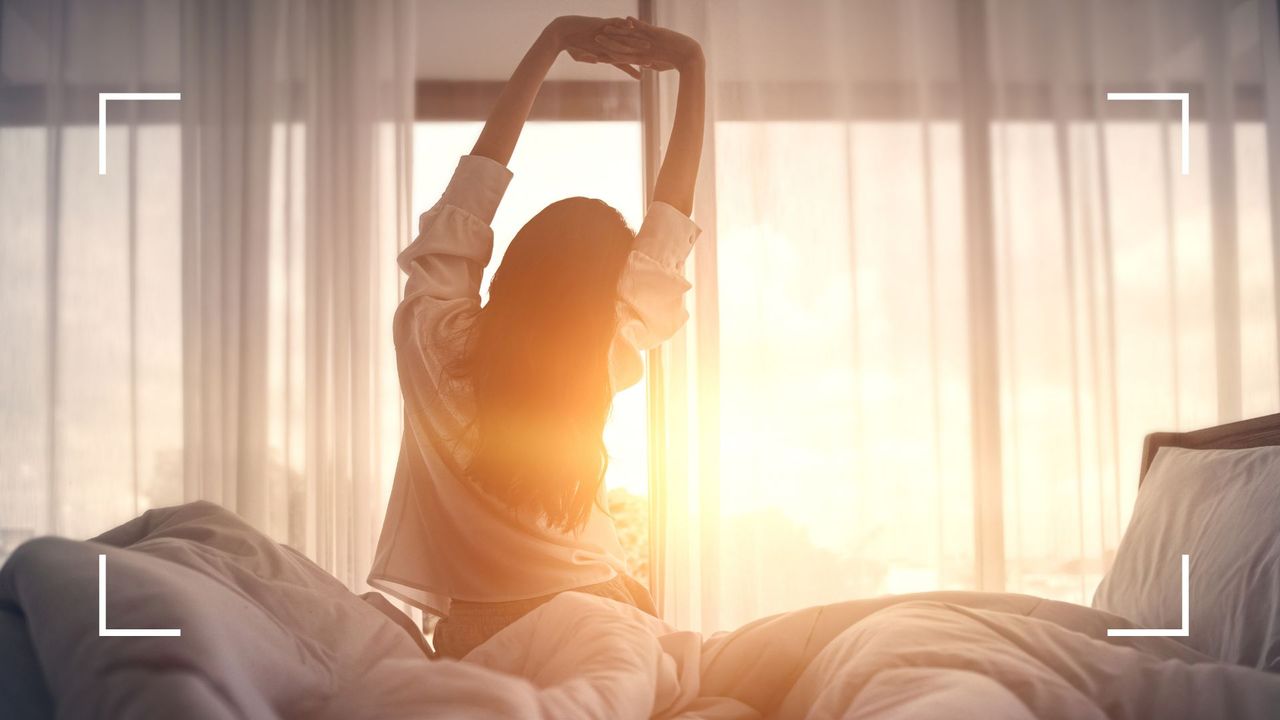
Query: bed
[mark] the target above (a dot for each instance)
(1256, 432)
(265, 633)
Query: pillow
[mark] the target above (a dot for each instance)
(1221, 507)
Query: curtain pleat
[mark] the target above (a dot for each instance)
(54, 137)
(1268, 20)
(1220, 102)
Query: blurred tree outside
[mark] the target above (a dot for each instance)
(631, 517)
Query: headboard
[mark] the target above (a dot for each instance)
(1255, 432)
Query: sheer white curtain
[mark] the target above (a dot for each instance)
(946, 287)
(210, 319)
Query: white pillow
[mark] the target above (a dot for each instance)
(1221, 507)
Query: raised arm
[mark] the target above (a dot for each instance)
(663, 49)
(573, 33)
(684, 150)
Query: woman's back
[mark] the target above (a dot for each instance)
(496, 501)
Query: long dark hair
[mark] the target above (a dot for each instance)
(538, 362)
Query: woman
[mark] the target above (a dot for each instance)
(496, 502)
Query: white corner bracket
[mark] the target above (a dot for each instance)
(103, 630)
(102, 117)
(1185, 99)
(1183, 631)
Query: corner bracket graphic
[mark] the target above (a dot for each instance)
(1183, 631)
(103, 630)
(1185, 99)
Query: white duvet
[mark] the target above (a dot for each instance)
(265, 633)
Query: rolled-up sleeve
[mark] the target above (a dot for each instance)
(447, 259)
(651, 290)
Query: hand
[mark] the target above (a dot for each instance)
(639, 43)
(577, 35)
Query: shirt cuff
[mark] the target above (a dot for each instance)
(477, 186)
(667, 236)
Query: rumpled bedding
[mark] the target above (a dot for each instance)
(267, 634)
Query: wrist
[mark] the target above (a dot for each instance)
(551, 38)
(693, 61)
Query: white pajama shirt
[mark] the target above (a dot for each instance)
(444, 538)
